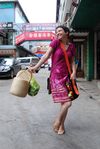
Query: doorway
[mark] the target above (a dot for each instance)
(98, 59)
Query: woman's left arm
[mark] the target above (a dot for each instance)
(73, 75)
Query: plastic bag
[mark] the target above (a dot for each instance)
(34, 87)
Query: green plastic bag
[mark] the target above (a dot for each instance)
(34, 87)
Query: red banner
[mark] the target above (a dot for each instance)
(27, 36)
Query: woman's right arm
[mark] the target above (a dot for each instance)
(43, 59)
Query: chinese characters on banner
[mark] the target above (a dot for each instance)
(27, 36)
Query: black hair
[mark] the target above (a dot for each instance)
(66, 29)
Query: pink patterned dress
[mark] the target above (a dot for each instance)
(59, 72)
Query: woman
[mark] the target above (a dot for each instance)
(59, 74)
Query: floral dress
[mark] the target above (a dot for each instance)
(59, 72)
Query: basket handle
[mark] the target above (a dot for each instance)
(20, 72)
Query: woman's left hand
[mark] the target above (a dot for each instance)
(73, 76)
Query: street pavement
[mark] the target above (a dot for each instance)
(26, 123)
(91, 88)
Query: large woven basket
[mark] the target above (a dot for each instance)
(20, 83)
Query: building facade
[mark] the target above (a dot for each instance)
(11, 13)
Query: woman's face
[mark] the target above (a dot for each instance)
(60, 33)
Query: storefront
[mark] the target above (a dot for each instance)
(80, 41)
(86, 19)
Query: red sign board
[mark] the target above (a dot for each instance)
(27, 36)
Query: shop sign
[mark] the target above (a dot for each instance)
(7, 52)
(35, 26)
(6, 5)
(7, 25)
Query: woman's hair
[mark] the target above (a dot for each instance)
(66, 29)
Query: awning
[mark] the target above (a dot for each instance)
(24, 49)
(87, 15)
(40, 53)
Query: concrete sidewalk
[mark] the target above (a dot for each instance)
(90, 87)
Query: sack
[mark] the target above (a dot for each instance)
(48, 85)
(34, 87)
(72, 88)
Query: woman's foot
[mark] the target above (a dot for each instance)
(61, 130)
(56, 126)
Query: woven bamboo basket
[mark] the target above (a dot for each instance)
(20, 83)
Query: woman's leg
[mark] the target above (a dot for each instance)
(59, 123)
(63, 113)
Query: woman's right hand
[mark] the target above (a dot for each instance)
(32, 69)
